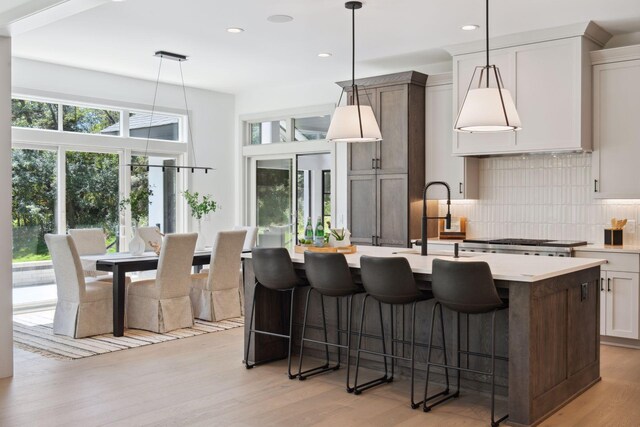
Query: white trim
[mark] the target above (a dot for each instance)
(94, 141)
(589, 30)
(322, 109)
(619, 54)
(440, 79)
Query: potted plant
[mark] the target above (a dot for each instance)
(339, 238)
(200, 206)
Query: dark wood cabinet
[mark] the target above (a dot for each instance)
(386, 178)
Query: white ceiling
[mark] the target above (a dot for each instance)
(392, 35)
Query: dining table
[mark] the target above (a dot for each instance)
(121, 263)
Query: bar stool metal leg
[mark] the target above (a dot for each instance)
(445, 393)
(253, 310)
(291, 376)
(358, 389)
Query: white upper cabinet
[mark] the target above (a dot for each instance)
(549, 76)
(616, 134)
(441, 165)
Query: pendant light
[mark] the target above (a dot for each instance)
(178, 58)
(353, 123)
(486, 108)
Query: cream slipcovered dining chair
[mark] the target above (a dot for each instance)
(162, 304)
(85, 305)
(150, 235)
(90, 241)
(249, 243)
(214, 292)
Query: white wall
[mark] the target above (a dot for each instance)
(6, 333)
(212, 118)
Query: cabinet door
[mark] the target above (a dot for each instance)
(622, 304)
(362, 208)
(392, 210)
(393, 120)
(548, 91)
(441, 165)
(361, 156)
(616, 134)
(463, 68)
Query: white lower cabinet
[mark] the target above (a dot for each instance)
(619, 293)
(619, 298)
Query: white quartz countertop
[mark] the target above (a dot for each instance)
(518, 268)
(630, 249)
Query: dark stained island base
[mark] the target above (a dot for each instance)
(550, 332)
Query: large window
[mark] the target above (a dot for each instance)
(34, 114)
(290, 129)
(92, 192)
(88, 120)
(33, 202)
(69, 171)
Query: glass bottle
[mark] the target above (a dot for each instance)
(308, 231)
(319, 241)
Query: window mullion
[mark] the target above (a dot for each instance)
(60, 117)
(61, 178)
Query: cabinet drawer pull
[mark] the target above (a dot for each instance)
(460, 187)
(373, 240)
(378, 165)
(602, 284)
(595, 185)
(373, 163)
(608, 284)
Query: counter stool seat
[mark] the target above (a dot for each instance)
(465, 288)
(274, 271)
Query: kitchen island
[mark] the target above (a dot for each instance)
(550, 332)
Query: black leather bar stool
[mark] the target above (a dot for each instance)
(467, 288)
(390, 281)
(329, 276)
(274, 271)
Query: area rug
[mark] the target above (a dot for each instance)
(34, 332)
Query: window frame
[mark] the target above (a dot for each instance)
(123, 145)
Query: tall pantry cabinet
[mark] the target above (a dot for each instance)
(386, 178)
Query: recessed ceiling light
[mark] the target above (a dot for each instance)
(324, 54)
(470, 27)
(280, 19)
(235, 30)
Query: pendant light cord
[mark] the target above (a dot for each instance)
(353, 47)
(153, 108)
(186, 108)
(487, 34)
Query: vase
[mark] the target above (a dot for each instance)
(137, 245)
(200, 243)
(334, 243)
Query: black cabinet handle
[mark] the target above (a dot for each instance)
(373, 240)
(602, 284)
(377, 240)
(373, 163)
(460, 187)
(595, 185)
(609, 284)
(378, 165)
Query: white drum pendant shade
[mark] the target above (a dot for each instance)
(345, 125)
(485, 111)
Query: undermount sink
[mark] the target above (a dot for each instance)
(438, 254)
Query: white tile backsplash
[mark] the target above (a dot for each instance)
(542, 197)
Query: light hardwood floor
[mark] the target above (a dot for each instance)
(201, 381)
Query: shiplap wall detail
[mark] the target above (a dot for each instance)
(540, 197)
